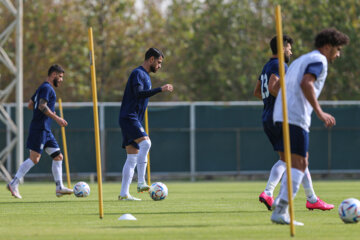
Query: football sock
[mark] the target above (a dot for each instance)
(308, 187)
(142, 159)
(297, 177)
(127, 174)
(57, 173)
(275, 175)
(23, 169)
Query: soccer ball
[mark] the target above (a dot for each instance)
(158, 191)
(81, 189)
(349, 210)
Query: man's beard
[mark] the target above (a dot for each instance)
(56, 81)
(152, 69)
(287, 59)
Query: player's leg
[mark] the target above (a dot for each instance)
(53, 150)
(128, 173)
(273, 133)
(313, 201)
(35, 142)
(142, 159)
(299, 141)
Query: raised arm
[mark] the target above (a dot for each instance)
(141, 93)
(43, 107)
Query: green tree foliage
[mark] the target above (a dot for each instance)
(214, 49)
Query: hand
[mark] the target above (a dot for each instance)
(329, 120)
(61, 122)
(167, 88)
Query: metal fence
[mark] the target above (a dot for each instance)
(198, 138)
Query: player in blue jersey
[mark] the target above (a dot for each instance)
(267, 89)
(40, 136)
(304, 81)
(135, 140)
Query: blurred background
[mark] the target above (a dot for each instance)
(214, 51)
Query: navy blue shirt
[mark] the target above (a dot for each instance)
(136, 95)
(40, 121)
(271, 67)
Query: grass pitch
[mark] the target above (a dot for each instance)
(201, 210)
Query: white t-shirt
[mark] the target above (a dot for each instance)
(299, 109)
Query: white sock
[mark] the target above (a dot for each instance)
(296, 177)
(127, 174)
(275, 175)
(142, 159)
(308, 187)
(57, 173)
(23, 169)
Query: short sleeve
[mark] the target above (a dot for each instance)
(314, 69)
(44, 93)
(275, 69)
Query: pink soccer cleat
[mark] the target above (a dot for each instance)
(319, 204)
(267, 200)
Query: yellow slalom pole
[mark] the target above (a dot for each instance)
(147, 131)
(285, 125)
(65, 146)
(96, 122)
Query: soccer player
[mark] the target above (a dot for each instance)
(135, 140)
(305, 79)
(40, 136)
(267, 89)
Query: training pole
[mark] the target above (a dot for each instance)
(285, 124)
(65, 146)
(96, 122)
(148, 156)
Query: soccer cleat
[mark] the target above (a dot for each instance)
(14, 191)
(128, 198)
(319, 204)
(142, 187)
(63, 191)
(267, 200)
(281, 215)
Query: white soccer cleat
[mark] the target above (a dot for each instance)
(281, 215)
(128, 198)
(142, 187)
(63, 191)
(14, 191)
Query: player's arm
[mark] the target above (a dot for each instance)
(43, 107)
(274, 85)
(30, 104)
(257, 90)
(307, 86)
(141, 93)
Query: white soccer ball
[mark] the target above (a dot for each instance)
(158, 191)
(349, 210)
(81, 189)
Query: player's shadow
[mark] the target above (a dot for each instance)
(194, 212)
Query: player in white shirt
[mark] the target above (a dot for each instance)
(304, 81)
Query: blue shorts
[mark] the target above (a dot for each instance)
(273, 132)
(131, 130)
(299, 140)
(38, 140)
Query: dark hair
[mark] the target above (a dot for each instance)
(153, 52)
(55, 68)
(331, 36)
(273, 43)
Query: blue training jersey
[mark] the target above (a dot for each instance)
(136, 95)
(40, 121)
(271, 67)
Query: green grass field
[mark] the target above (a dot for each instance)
(202, 210)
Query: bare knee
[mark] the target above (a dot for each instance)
(58, 157)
